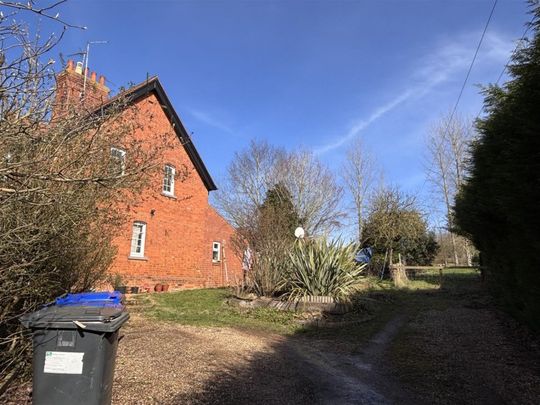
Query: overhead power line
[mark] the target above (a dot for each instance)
(471, 65)
(518, 45)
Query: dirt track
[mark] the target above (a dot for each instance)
(182, 364)
(444, 346)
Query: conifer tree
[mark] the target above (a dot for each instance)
(498, 207)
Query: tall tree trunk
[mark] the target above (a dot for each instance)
(468, 253)
(447, 146)
(454, 248)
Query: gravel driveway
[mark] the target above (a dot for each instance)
(175, 364)
(443, 346)
(167, 363)
(468, 352)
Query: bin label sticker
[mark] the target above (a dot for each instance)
(63, 363)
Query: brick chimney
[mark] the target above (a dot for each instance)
(73, 92)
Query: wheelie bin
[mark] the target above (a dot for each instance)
(75, 341)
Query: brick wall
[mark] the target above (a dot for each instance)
(228, 270)
(69, 90)
(180, 230)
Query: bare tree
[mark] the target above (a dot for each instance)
(359, 175)
(250, 174)
(307, 187)
(445, 255)
(61, 191)
(447, 144)
(314, 191)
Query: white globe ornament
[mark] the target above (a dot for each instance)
(299, 232)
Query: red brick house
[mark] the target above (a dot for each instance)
(173, 235)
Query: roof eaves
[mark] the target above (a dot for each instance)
(153, 85)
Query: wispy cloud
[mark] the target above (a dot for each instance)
(448, 60)
(208, 119)
(361, 124)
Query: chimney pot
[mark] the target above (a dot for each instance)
(69, 65)
(70, 87)
(86, 72)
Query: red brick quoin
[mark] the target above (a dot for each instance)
(181, 228)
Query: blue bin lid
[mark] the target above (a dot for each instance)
(91, 299)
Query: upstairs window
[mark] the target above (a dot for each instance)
(138, 238)
(118, 161)
(168, 180)
(216, 252)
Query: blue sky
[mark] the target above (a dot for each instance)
(310, 74)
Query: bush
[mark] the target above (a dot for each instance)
(268, 269)
(497, 208)
(60, 202)
(318, 267)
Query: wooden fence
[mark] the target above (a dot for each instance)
(440, 267)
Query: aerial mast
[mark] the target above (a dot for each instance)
(85, 61)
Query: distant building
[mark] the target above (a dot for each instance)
(173, 236)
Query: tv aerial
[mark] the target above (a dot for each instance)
(86, 57)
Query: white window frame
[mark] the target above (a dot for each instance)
(138, 233)
(168, 170)
(119, 155)
(216, 248)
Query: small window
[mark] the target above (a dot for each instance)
(168, 180)
(138, 237)
(216, 252)
(118, 157)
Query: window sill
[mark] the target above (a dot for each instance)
(216, 262)
(143, 258)
(171, 196)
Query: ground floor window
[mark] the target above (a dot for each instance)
(216, 251)
(138, 238)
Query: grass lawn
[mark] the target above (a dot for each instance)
(208, 307)
(381, 301)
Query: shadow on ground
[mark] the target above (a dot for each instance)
(444, 343)
(305, 370)
(434, 343)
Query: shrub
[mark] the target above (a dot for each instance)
(268, 268)
(497, 208)
(318, 267)
(60, 202)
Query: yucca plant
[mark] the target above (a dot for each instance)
(321, 268)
